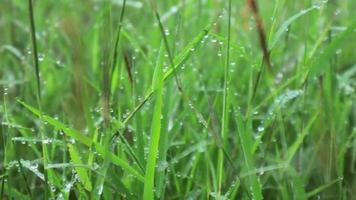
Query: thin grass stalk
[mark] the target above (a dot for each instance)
(166, 45)
(261, 32)
(225, 103)
(117, 41)
(37, 70)
(34, 47)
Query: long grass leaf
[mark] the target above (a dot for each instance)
(246, 142)
(86, 141)
(148, 193)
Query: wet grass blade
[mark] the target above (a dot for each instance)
(117, 40)
(47, 174)
(321, 188)
(245, 136)
(166, 45)
(82, 172)
(318, 66)
(34, 47)
(277, 36)
(155, 130)
(225, 107)
(179, 60)
(87, 142)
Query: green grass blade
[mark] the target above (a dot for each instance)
(322, 187)
(286, 24)
(157, 82)
(225, 106)
(245, 136)
(292, 150)
(82, 172)
(34, 47)
(86, 141)
(318, 66)
(178, 62)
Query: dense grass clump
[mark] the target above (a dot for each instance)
(178, 99)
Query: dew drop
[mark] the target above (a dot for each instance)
(260, 128)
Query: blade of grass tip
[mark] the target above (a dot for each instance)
(155, 130)
(128, 65)
(274, 21)
(37, 70)
(165, 40)
(117, 41)
(224, 123)
(261, 33)
(81, 138)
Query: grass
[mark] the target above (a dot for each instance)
(133, 99)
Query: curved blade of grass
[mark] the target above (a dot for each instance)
(178, 61)
(86, 141)
(286, 24)
(157, 82)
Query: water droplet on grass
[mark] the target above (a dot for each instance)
(166, 32)
(260, 128)
(41, 57)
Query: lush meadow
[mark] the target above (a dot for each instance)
(177, 99)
